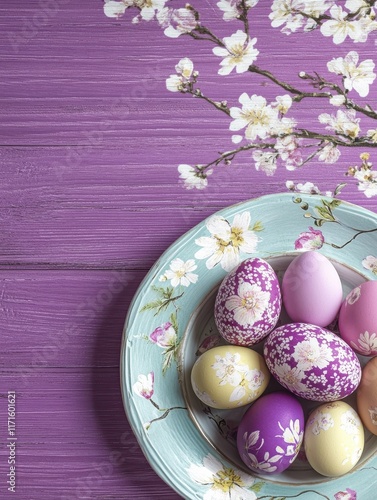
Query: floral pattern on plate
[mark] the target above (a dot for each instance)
(158, 317)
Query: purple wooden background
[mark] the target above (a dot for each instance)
(90, 143)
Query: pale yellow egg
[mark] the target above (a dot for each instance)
(229, 376)
(334, 439)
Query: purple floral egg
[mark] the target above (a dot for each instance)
(248, 303)
(312, 362)
(270, 433)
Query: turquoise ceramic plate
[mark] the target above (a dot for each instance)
(170, 322)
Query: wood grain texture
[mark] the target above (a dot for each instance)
(90, 141)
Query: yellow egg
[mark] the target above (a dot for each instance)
(229, 376)
(334, 439)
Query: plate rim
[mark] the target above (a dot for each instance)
(283, 196)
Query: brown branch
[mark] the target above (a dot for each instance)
(221, 106)
(244, 17)
(299, 94)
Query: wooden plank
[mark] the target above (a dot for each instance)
(73, 438)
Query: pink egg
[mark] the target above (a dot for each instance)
(312, 290)
(358, 319)
(270, 433)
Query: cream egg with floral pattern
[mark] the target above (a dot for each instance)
(226, 377)
(334, 439)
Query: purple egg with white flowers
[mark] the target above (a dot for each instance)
(248, 303)
(270, 433)
(312, 362)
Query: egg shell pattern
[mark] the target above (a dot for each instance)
(248, 303)
(270, 433)
(367, 396)
(358, 319)
(334, 439)
(311, 289)
(312, 362)
(226, 377)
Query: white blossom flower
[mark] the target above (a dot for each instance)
(227, 241)
(148, 8)
(337, 100)
(368, 24)
(372, 135)
(339, 27)
(367, 182)
(232, 8)
(370, 262)
(283, 103)
(265, 161)
(174, 83)
(310, 353)
(357, 5)
(287, 12)
(224, 483)
(329, 154)
(184, 69)
(357, 77)
(304, 188)
(239, 53)
(249, 304)
(283, 126)
(345, 122)
(288, 148)
(256, 115)
(236, 139)
(144, 385)
(194, 177)
(316, 8)
(116, 9)
(177, 21)
(180, 272)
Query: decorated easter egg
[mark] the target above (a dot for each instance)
(312, 362)
(270, 433)
(312, 290)
(334, 439)
(367, 396)
(229, 376)
(248, 303)
(358, 319)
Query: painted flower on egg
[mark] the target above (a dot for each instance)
(230, 371)
(366, 344)
(309, 354)
(292, 436)
(249, 304)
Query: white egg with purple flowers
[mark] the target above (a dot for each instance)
(248, 303)
(312, 362)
